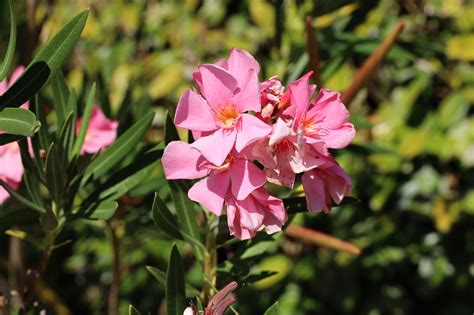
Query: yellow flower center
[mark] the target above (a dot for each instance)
(227, 116)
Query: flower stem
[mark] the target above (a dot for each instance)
(210, 267)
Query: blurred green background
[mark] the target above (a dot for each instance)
(412, 163)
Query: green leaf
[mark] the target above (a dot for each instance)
(60, 46)
(118, 150)
(11, 45)
(61, 97)
(43, 135)
(175, 292)
(21, 199)
(54, 174)
(86, 116)
(164, 219)
(161, 277)
(19, 121)
(171, 133)
(101, 211)
(29, 83)
(272, 310)
(132, 310)
(131, 175)
(257, 249)
(186, 216)
(7, 138)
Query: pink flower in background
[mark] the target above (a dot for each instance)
(325, 185)
(101, 132)
(11, 168)
(258, 211)
(227, 90)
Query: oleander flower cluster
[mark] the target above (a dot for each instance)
(101, 132)
(237, 121)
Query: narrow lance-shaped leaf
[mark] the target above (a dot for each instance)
(132, 310)
(99, 211)
(272, 310)
(160, 276)
(19, 121)
(171, 134)
(186, 215)
(166, 221)
(54, 174)
(60, 46)
(29, 83)
(86, 116)
(11, 45)
(61, 97)
(21, 199)
(175, 292)
(118, 150)
(47, 62)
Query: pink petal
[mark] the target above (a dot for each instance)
(250, 129)
(4, 195)
(216, 146)
(251, 213)
(233, 221)
(330, 114)
(275, 214)
(306, 160)
(181, 161)
(314, 192)
(101, 132)
(285, 177)
(248, 95)
(211, 191)
(239, 63)
(245, 178)
(280, 132)
(338, 138)
(218, 85)
(194, 113)
(11, 167)
(300, 96)
(338, 183)
(16, 74)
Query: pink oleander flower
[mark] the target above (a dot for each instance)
(302, 135)
(11, 167)
(258, 211)
(325, 184)
(101, 132)
(237, 175)
(236, 183)
(228, 89)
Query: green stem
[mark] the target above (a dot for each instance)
(210, 267)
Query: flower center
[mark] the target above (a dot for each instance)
(227, 115)
(308, 126)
